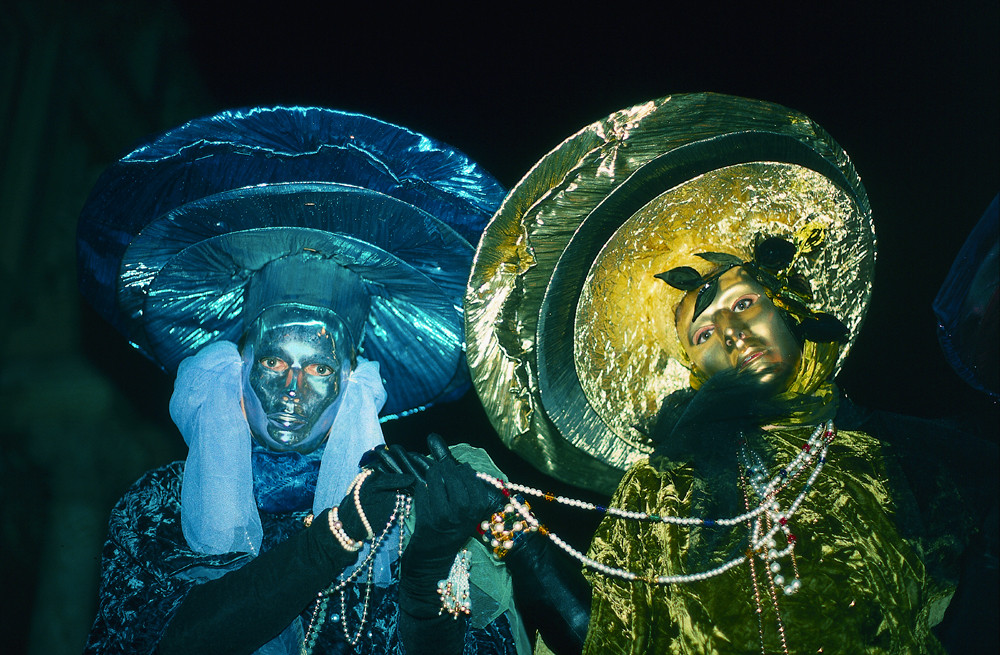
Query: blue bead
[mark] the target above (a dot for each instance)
(709, 522)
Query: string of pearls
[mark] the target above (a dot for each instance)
(399, 515)
(762, 541)
(805, 455)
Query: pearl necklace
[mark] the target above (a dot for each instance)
(399, 515)
(762, 542)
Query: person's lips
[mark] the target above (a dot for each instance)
(286, 421)
(750, 358)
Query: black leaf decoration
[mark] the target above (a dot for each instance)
(823, 328)
(791, 305)
(721, 258)
(766, 279)
(706, 295)
(684, 278)
(800, 285)
(774, 254)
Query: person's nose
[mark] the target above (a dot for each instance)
(734, 330)
(293, 381)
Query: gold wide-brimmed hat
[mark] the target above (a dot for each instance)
(571, 337)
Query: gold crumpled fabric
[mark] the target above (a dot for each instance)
(864, 590)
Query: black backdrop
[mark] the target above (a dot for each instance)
(910, 90)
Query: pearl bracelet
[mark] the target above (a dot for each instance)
(337, 528)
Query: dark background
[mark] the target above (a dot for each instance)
(909, 90)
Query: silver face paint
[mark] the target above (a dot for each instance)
(295, 363)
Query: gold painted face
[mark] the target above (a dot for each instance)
(741, 329)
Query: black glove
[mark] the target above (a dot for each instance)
(378, 499)
(549, 587)
(447, 508)
(248, 607)
(396, 459)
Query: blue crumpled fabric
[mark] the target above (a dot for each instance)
(147, 570)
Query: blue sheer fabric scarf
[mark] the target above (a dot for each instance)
(228, 480)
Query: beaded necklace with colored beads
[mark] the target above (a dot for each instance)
(766, 520)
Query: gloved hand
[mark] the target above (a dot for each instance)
(393, 472)
(396, 459)
(447, 509)
(546, 582)
(449, 506)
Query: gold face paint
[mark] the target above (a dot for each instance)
(741, 329)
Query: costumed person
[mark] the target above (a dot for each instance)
(668, 295)
(967, 306)
(301, 270)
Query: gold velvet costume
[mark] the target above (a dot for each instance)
(864, 589)
(572, 342)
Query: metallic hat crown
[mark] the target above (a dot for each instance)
(570, 334)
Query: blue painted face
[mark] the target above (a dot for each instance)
(295, 364)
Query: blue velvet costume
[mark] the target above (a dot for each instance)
(178, 242)
(147, 569)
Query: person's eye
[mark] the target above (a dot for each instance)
(744, 303)
(273, 364)
(321, 370)
(703, 334)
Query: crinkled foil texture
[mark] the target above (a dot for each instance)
(173, 232)
(522, 247)
(627, 355)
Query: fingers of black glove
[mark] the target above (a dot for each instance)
(381, 459)
(471, 497)
(420, 463)
(396, 459)
(388, 481)
(387, 460)
(447, 483)
(491, 500)
(433, 501)
(438, 448)
(454, 500)
(405, 461)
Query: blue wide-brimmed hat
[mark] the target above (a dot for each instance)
(369, 219)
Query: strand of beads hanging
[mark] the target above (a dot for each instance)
(766, 521)
(821, 436)
(504, 528)
(400, 513)
(355, 487)
(765, 492)
(454, 590)
(744, 486)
